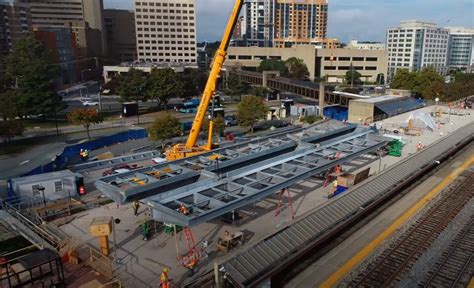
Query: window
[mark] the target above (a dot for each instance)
(58, 186)
(35, 190)
(357, 58)
(370, 68)
(371, 59)
(329, 67)
(344, 58)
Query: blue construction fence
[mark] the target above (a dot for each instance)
(73, 151)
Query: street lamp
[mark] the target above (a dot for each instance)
(41, 188)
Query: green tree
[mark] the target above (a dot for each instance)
(296, 68)
(250, 110)
(273, 65)
(425, 79)
(8, 104)
(163, 128)
(353, 77)
(164, 84)
(86, 118)
(219, 125)
(259, 91)
(423, 83)
(235, 86)
(403, 80)
(194, 81)
(131, 87)
(9, 129)
(28, 67)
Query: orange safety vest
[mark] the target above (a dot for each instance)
(164, 279)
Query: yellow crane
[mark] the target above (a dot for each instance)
(190, 148)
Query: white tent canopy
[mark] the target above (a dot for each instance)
(422, 119)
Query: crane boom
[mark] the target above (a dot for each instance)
(180, 151)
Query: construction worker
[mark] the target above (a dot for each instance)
(145, 231)
(333, 189)
(82, 155)
(419, 146)
(191, 265)
(165, 281)
(338, 169)
(183, 209)
(135, 206)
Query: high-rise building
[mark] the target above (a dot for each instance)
(461, 49)
(284, 23)
(61, 42)
(120, 30)
(259, 17)
(416, 45)
(15, 23)
(83, 17)
(300, 22)
(166, 31)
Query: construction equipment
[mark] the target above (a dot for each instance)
(102, 227)
(179, 151)
(228, 241)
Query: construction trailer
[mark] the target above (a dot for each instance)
(48, 186)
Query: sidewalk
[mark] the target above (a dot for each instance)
(112, 123)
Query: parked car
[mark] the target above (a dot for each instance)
(90, 103)
(230, 121)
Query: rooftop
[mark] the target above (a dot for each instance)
(380, 99)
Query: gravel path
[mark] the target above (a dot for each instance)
(390, 242)
(425, 263)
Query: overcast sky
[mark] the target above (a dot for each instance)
(364, 20)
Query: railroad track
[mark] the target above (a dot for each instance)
(457, 265)
(388, 268)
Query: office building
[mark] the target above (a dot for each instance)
(300, 22)
(83, 17)
(166, 31)
(238, 29)
(259, 17)
(461, 49)
(330, 64)
(415, 45)
(354, 44)
(284, 23)
(61, 42)
(15, 23)
(120, 31)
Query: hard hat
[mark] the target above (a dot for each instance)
(166, 270)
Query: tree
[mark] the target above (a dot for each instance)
(235, 86)
(86, 118)
(296, 68)
(10, 129)
(164, 127)
(425, 80)
(273, 65)
(164, 84)
(8, 104)
(250, 110)
(219, 125)
(353, 77)
(194, 81)
(422, 83)
(131, 87)
(403, 80)
(28, 67)
(259, 91)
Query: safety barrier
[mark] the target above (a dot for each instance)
(61, 160)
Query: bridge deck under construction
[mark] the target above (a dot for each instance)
(223, 180)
